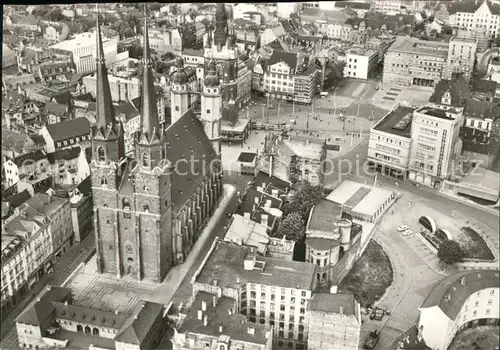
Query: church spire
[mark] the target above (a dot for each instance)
(149, 113)
(104, 102)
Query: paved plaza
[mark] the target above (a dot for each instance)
(390, 95)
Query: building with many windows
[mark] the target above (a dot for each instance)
(388, 6)
(390, 142)
(472, 15)
(410, 61)
(436, 143)
(360, 63)
(461, 58)
(269, 292)
(334, 323)
(462, 300)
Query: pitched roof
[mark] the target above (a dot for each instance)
(136, 328)
(471, 7)
(458, 89)
(481, 109)
(279, 31)
(287, 57)
(353, 5)
(17, 199)
(29, 158)
(55, 108)
(451, 293)
(377, 20)
(13, 101)
(128, 109)
(64, 154)
(69, 129)
(12, 140)
(483, 86)
(38, 311)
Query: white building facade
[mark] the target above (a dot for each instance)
(360, 63)
(483, 17)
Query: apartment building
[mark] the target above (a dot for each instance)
(461, 58)
(389, 145)
(295, 159)
(331, 23)
(66, 134)
(26, 252)
(279, 75)
(163, 40)
(410, 61)
(388, 6)
(269, 292)
(472, 15)
(436, 143)
(463, 300)
(125, 85)
(334, 322)
(360, 63)
(305, 85)
(82, 50)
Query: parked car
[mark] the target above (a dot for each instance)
(402, 228)
(372, 340)
(407, 232)
(377, 314)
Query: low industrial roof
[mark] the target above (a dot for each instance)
(387, 123)
(247, 157)
(372, 201)
(226, 263)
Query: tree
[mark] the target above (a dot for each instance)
(174, 10)
(450, 252)
(335, 75)
(303, 201)
(189, 37)
(42, 10)
(55, 15)
(293, 227)
(447, 30)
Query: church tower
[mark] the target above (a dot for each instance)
(179, 95)
(107, 164)
(211, 107)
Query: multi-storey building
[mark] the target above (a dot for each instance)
(305, 84)
(163, 40)
(360, 63)
(26, 251)
(434, 132)
(411, 61)
(390, 142)
(480, 35)
(462, 300)
(124, 85)
(294, 159)
(279, 75)
(148, 217)
(334, 322)
(461, 58)
(475, 15)
(66, 134)
(81, 214)
(82, 50)
(268, 291)
(388, 6)
(332, 24)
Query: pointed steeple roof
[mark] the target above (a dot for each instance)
(104, 102)
(149, 112)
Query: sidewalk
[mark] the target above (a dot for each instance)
(63, 268)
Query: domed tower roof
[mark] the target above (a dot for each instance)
(212, 79)
(180, 75)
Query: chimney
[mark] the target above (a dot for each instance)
(268, 204)
(341, 310)
(264, 220)
(230, 311)
(246, 216)
(333, 290)
(66, 303)
(220, 328)
(200, 315)
(37, 300)
(275, 193)
(238, 280)
(256, 200)
(219, 292)
(203, 306)
(264, 185)
(216, 283)
(205, 320)
(214, 301)
(249, 262)
(116, 312)
(251, 330)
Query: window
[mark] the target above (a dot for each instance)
(177, 108)
(208, 111)
(145, 159)
(100, 154)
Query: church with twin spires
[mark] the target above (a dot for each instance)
(150, 208)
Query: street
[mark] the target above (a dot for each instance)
(68, 263)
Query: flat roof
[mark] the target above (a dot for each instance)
(392, 119)
(226, 264)
(247, 157)
(372, 201)
(334, 303)
(483, 178)
(324, 216)
(357, 197)
(435, 112)
(343, 192)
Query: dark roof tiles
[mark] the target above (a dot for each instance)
(69, 129)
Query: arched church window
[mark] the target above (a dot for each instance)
(146, 208)
(100, 154)
(126, 208)
(164, 152)
(145, 159)
(104, 181)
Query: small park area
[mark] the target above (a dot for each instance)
(370, 276)
(474, 246)
(482, 337)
